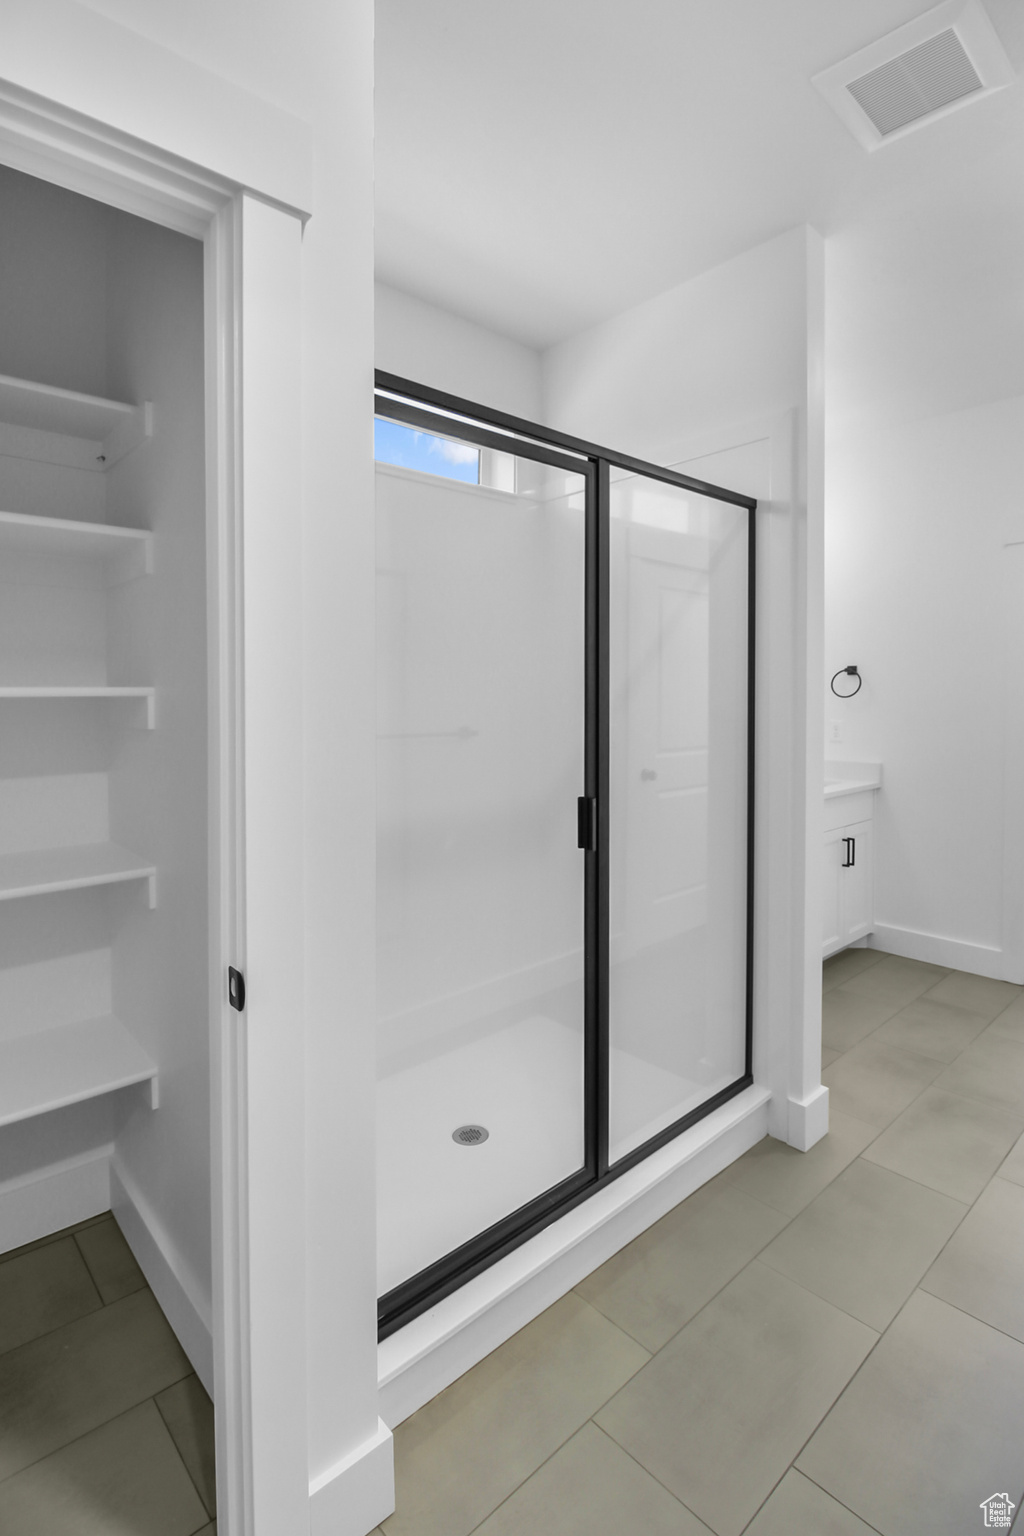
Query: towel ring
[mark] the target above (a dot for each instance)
(847, 672)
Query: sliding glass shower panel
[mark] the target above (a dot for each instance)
(678, 804)
(480, 880)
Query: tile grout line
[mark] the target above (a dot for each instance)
(88, 1270)
(856, 1373)
(652, 1475)
(828, 1410)
(608, 1436)
(523, 1481)
(650, 1353)
(50, 1238)
(654, 1353)
(562, 1443)
(967, 1099)
(974, 1318)
(801, 1473)
(92, 1430)
(757, 1255)
(70, 1322)
(917, 1287)
(73, 1322)
(814, 1482)
(880, 1334)
(852, 1379)
(199, 1493)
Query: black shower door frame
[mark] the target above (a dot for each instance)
(435, 411)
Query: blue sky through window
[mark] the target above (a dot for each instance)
(410, 448)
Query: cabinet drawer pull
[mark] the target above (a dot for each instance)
(851, 852)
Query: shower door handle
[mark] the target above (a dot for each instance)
(586, 823)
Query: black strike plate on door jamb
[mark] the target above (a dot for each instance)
(586, 823)
(236, 988)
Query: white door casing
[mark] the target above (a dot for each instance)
(254, 667)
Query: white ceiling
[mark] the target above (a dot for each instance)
(542, 164)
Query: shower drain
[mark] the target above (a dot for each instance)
(470, 1135)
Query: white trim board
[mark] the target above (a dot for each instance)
(808, 1119)
(108, 74)
(956, 954)
(436, 1348)
(65, 1193)
(52, 1198)
(175, 1288)
(357, 1494)
(48, 130)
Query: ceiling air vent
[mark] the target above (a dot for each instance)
(945, 59)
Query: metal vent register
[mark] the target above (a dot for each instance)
(919, 81)
(944, 60)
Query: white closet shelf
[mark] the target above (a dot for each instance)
(86, 691)
(67, 1064)
(83, 430)
(45, 870)
(25, 403)
(123, 552)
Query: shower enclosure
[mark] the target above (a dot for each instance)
(565, 778)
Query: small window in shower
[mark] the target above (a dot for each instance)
(411, 448)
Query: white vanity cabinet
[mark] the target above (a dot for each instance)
(848, 884)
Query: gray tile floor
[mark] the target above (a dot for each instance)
(104, 1428)
(819, 1344)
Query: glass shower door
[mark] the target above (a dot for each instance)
(481, 758)
(678, 815)
(564, 830)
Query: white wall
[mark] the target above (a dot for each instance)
(53, 261)
(158, 778)
(925, 464)
(480, 629)
(721, 377)
(924, 595)
(728, 346)
(418, 341)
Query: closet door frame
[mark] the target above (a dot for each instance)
(254, 822)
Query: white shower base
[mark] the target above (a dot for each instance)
(524, 1082)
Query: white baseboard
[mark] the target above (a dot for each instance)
(422, 1358)
(956, 954)
(177, 1290)
(358, 1493)
(808, 1119)
(58, 1196)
